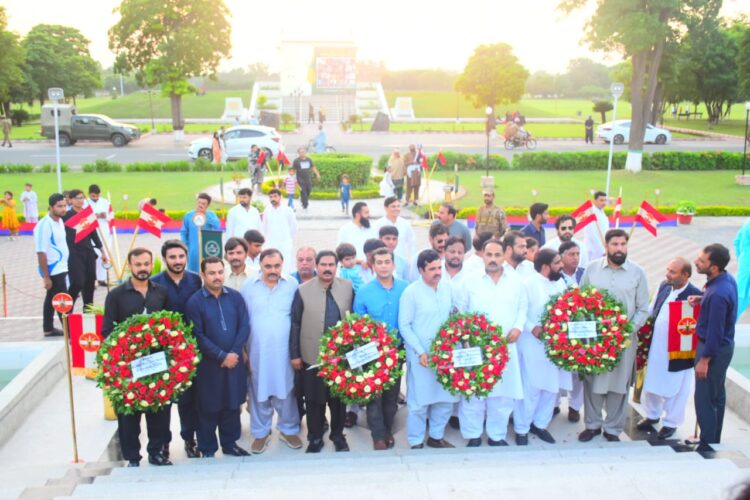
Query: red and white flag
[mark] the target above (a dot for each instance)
(111, 218)
(84, 223)
(261, 157)
(584, 215)
(682, 340)
(441, 158)
(649, 217)
(152, 220)
(617, 212)
(282, 158)
(422, 159)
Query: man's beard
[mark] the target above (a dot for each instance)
(566, 237)
(275, 202)
(617, 258)
(554, 275)
(143, 275)
(518, 258)
(174, 270)
(365, 221)
(244, 204)
(453, 264)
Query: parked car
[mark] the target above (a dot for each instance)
(619, 132)
(238, 141)
(92, 127)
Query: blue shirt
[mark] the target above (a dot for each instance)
(379, 302)
(189, 236)
(538, 234)
(178, 294)
(718, 313)
(296, 276)
(346, 191)
(353, 274)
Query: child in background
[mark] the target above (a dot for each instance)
(10, 219)
(290, 183)
(345, 192)
(386, 185)
(349, 269)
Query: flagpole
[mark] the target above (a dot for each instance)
(617, 219)
(632, 228)
(130, 247)
(429, 191)
(106, 245)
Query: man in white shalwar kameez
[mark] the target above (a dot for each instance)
(269, 297)
(279, 227)
(424, 306)
(514, 255)
(501, 297)
(406, 241)
(104, 214)
(542, 380)
(667, 392)
(593, 233)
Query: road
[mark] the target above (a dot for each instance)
(162, 147)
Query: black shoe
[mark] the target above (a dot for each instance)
(165, 450)
(235, 451)
(134, 463)
(191, 449)
(522, 439)
(418, 446)
(55, 332)
(574, 415)
(340, 444)
(647, 424)
(666, 432)
(207, 455)
(454, 423)
(350, 420)
(474, 443)
(158, 459)
(704, 447)
(438, 443)
(492, 442)
(101, 283)
(314, 446)
(588, 435)
(542, 434)
(556, 411)
(611, 437)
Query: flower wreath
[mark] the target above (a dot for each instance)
(645, 334)
(587, 356)
(359, 384)
(139, 336)
(469, 330)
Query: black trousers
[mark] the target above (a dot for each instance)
(299, 393)
(59, 285)
(305, 186)
(129, 432)
(382, 411)
(188, 414)
(398, 188)
(82, 273)
(589, 136)
(228, 423)
(317, 396)
(710, 393)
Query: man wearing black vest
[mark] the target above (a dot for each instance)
(668, 384)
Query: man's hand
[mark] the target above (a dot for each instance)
(47, 282)
(513, 335)
(297, 363)
(701, 369)
(105, 259)
(694, 300)
(423, 360)
(231, 360)
(536, 331)
(102, 215)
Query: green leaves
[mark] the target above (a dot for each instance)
(493, 76)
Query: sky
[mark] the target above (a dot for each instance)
(405, 34)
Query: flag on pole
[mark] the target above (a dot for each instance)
(282, 158)
(421, 158)
(261, 157)
(111, 217)
(584, 215)
(152, 220)
(441, 158)
(681, 338)
(84, 223)
(618, 210)
(649, 217)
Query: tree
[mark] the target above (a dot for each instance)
(640, 31)
(493, 76)
(585, 78)
(542, 83)
(58, 56)
(166, 43)
(743, 66)
(11, 70)
(602, 107)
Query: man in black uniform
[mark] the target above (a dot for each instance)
(138, 295)
(82, 259)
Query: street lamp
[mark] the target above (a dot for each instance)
(489, 126)
(151, 107)
(55, 95)
(744, 150)
(616, 89)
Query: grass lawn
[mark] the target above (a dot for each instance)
(174, 191)
(572, 188)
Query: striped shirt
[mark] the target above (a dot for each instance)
(290, 183)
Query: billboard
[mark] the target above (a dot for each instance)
(334, 72)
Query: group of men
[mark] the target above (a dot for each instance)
(259, 326)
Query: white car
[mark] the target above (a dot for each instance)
(238, 141)
(619, 132)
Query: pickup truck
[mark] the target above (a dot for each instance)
(93, 127)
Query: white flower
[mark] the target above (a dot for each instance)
(338, 380)
(130, 395)
(368, 389)
(388, 362)
(360, 378)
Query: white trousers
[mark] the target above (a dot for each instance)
(536, 408)
(416, 421)
(575, 397)
(494, 412)
(101, 273)
(261, 415)
(672, 408)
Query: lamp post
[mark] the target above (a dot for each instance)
(151, 107)
(490, 125)
(744, 150)
(55, 95)
(616, 89)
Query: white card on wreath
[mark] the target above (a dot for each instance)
(148, 365)
(466, 358)
(582, 330)
(361, 355)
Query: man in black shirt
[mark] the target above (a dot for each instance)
(138, 295)
(303, 165)
(82, 259)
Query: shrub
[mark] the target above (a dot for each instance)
(467, 161)
(369, 191)
(102, 166)
(333, 165)
(155, 166)
(49, 168)
(704, 160)
(16, 168)
(586, 160)
(18, 116)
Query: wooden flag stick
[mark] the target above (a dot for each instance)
(429, 192)
(617, 219)
(130, 247)
(632, 228)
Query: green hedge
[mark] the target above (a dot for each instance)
(703, 160)
(16, 168)
(49, 168)
(369, 191)
(101, 165)
(333, 165)
(584, 160)
(464, 161)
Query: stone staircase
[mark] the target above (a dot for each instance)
(624, 470)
